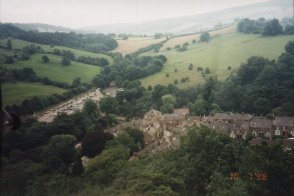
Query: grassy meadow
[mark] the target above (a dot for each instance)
(223, 50)
(15, 93)
(55, 71)
(179, 40)
(19, 44)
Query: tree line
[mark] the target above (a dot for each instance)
(90, 42)
(264, 27)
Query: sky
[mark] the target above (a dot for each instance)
(83, 13)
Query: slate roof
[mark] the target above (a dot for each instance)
(259, 122)
(173, 117)
(283, 121)
(231, 116)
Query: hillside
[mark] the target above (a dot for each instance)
(15, 93)
(229, 49)
(19, 44)
(55, 71)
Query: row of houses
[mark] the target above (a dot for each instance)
(238, 126)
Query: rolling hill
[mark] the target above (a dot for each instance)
(55, 71)
(223, 51)
(15, 93)
(19, 44)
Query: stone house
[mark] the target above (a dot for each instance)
(261, 127)
(172, 120)
(182, 111)
(283, 126)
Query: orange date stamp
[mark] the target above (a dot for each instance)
(258, 176)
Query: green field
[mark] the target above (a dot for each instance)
(55, 71)
(19, 44)
(17, 92)
(229, 49)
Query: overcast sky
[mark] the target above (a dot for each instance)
(81, 13)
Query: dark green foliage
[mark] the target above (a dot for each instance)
(65, 61)
(251, 26)
(94, 142)
(90, 42)
(9, 60)
(204, 37)
(9, 45)
(60, 152)
(272, 27)
(45, 59)
(289, 29)
(190, 67)
(108, 105)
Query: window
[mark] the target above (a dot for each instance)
(267, 135)
(260, 134)
(277, 132)
(254, 134)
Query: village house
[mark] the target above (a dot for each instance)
(172, 120)
(283, 126)
(182, 111)
(261, 127)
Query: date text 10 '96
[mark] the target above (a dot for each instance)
(258, 176)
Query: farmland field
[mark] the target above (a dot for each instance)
(133, 44)
(15, 93)
(172, 42)
(19, 44)
(55, 71)
(228, 49)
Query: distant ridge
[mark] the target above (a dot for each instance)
(189, 24)
(41, 27)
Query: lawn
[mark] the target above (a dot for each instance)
(55, 71)
(224, 50)
(19, 44)
(15, 93)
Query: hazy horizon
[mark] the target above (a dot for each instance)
(78, 14)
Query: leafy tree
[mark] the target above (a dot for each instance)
(104, 167)
(94, 142)
(108, 105)
(9, 60)
(45, 59)
(272, 27)
(8, 44)
(200, 107)
(76, 83)
(65, 61)
(60, 152)
(204, 37)
(289, 29)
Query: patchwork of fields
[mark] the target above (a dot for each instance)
(224, 50)
(15, 93)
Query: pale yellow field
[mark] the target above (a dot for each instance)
(189, 38)
(133, 44)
